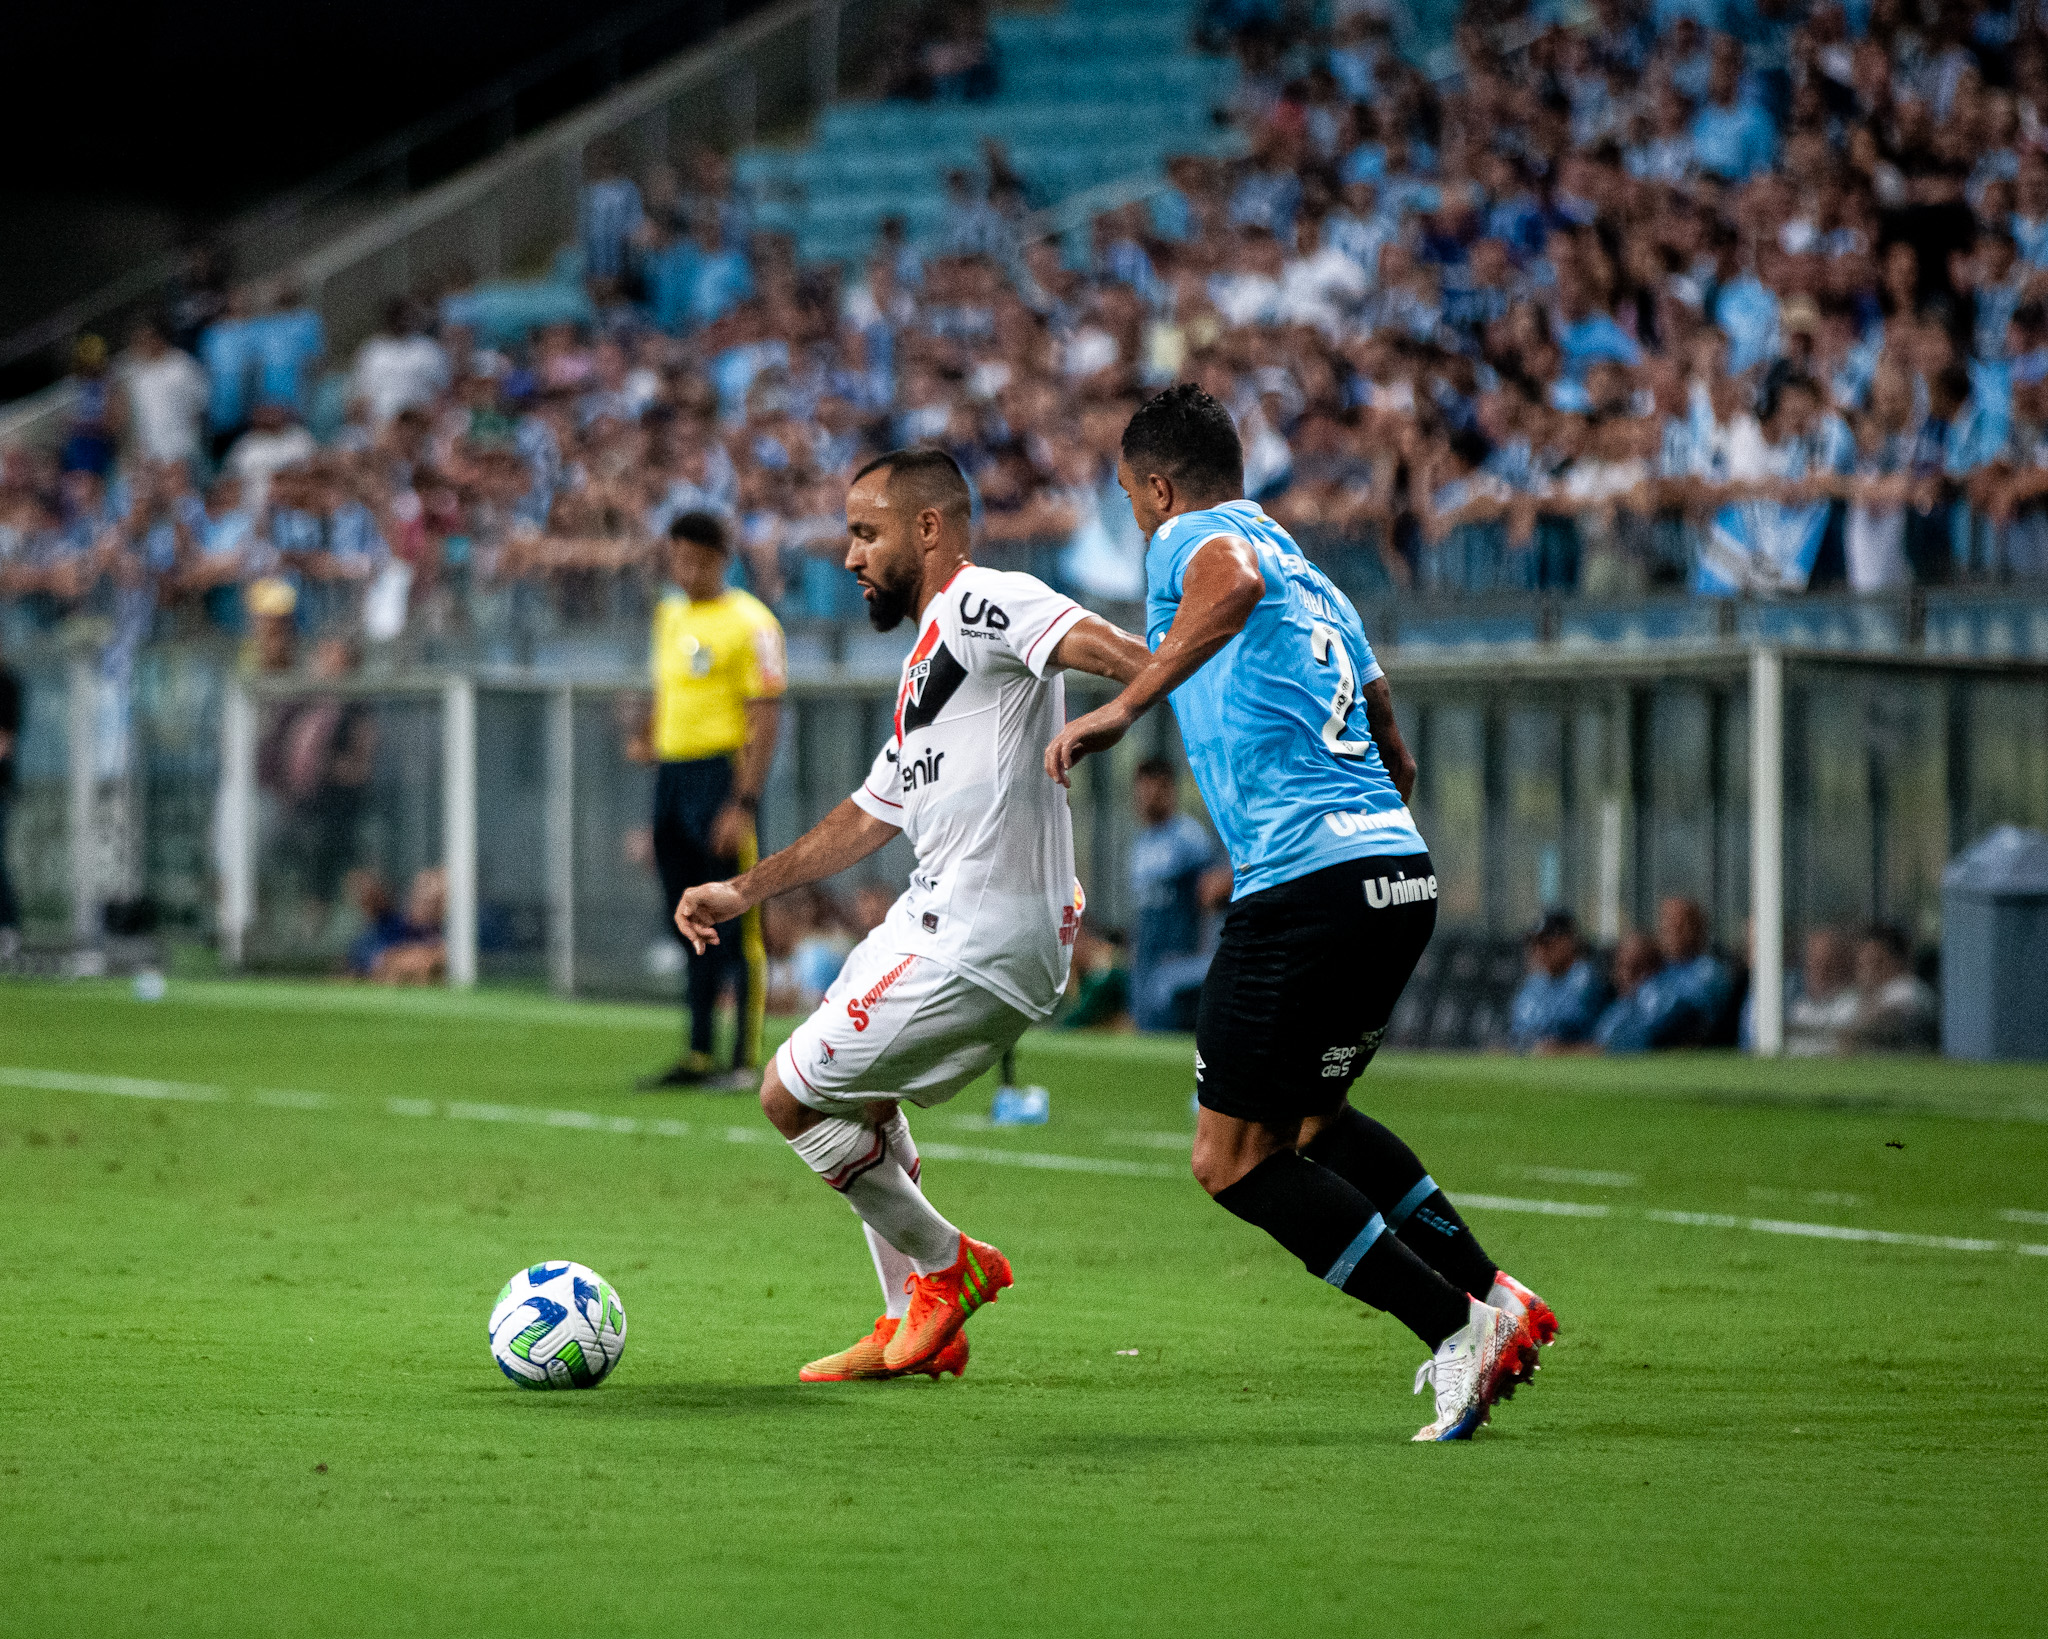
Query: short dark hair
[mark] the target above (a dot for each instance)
(1157, 768)
(1469, 445)
(1891, 937)
(701, 529)
(1187, 436)
(926, 477)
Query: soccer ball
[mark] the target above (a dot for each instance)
(557, 1326)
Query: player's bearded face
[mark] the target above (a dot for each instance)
(890, 588)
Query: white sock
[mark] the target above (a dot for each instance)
(856, 1160)
(893, 1270)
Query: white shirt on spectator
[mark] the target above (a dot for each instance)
(260, 456)
(1320, 288)
(166, 399)
(396, 373)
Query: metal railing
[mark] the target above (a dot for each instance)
(1601, 782)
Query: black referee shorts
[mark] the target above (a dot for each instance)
(687, 798)
(1305, 978)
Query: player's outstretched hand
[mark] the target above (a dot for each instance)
(703, 908)
(1097, 731)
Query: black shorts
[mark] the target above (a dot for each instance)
(1304, 981)
(687, 799)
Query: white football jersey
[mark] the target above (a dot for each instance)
(963, 774)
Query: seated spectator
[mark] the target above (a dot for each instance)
(1896, 1010)
(1622, 1024)
(385, 926)
(1099, 983)
(420, 955)
(1823, 1002)
(1179, 874)
(1562, 999)
(1689, 999)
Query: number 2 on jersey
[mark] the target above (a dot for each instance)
(1325, 643)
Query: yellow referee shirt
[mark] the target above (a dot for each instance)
(709, 660)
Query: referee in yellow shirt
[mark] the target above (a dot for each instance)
(719, 673)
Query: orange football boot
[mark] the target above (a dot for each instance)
(941, 1303)
(864, 1359)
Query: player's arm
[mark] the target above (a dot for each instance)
(1222, 585)
(1386, 734)
(1102, 650)
(764, 724)
(844, 837)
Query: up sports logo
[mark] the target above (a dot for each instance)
(857, 1006)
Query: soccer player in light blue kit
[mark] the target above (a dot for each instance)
(1290, 733)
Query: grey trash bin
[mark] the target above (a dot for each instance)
(1994, 948)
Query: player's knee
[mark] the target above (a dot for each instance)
(1216, 1166)
(784, 1113)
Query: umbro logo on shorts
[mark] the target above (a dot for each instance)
(857, 1007)
(1402, 890)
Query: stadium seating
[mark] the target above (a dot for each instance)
(1093, 94)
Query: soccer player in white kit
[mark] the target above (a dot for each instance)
(979, 944)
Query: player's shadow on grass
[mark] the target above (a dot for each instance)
(650, 1400)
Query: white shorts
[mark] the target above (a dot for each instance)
(895, 1026)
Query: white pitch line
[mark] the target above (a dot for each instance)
(1549, 1209)
(63, 1081)
(1575, 1175)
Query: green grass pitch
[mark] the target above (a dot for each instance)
(253, 1233)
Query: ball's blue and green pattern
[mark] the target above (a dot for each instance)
(557, 1326)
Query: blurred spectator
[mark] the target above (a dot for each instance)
(419, 953)
(10, 739)
(1824, 1003)
(273, 443)
(1896, 1010)
(610, 215)
(1562, 999)
(944, 55)
(285, 345)
(1099, 985)
(1687, 1000)
(384, 925)
(316, 759)
(1178, 876)
(1622, 1026)
(399, 368)
(92, 415)
(166, 394)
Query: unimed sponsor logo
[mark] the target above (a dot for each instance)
(1380, 891)
(857, 1006)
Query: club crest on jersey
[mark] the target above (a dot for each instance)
(857, 1007)
(916, 679)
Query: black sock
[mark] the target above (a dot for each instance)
(1342, 1239)
(1358, 1148)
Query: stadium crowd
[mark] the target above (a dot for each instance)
(1746, 296)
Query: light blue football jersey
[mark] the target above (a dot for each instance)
(1274, 724)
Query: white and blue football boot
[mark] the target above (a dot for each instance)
(1473, 1368)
